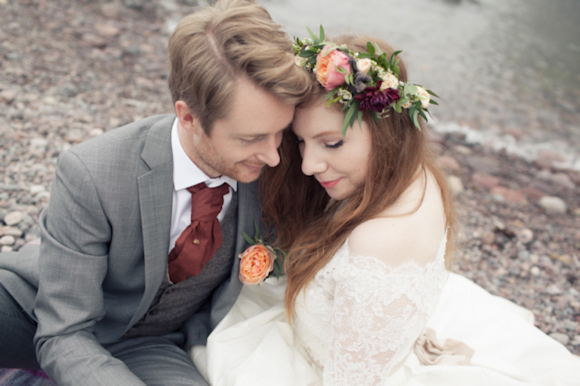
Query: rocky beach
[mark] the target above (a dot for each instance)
(72, 70)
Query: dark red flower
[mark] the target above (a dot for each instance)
(373, 99)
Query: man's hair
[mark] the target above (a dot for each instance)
(213, 46)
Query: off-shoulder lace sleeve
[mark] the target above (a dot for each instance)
(379, 311)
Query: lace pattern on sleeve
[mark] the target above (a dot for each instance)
(360, 317)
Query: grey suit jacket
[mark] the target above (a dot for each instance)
(105, 237)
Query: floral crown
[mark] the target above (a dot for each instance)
(360, 81)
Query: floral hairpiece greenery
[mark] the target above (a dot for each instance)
(361, 81)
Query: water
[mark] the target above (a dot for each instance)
(507, 70)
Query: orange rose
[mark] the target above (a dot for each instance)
(327, 65)
(257, 263)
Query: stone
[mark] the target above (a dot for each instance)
(10, 231)
(455, 184)
(96, 132)
(484, 180)
(8, 96)
(74, 136)
(535, 271)
(107, 31)
(111, 10)
(462, 149)
(509, 195)
(553, 204)
(525, 235)
(484, 164)
(488, 237)
(548, 158)
(135, 4)
(553, 290)
(13, 218)
(532, 193)
(35, 189)
(6, 248)
(560, 337)
(448, 163)
(7, 240)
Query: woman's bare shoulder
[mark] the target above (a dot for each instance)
(400, 234)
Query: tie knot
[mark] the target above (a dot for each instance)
(206, 202)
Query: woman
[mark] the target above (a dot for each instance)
(368, 223)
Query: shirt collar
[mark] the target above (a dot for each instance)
(186, 173)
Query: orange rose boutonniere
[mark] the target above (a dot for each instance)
(260, 260)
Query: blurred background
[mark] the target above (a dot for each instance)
(507, 130)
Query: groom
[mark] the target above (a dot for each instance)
(139, 242)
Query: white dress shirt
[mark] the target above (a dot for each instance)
(186, 174)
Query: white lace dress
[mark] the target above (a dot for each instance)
(362, 322)
(360, 317)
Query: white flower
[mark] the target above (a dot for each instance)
(424, 97)
(344, 94)
(389, 81)
(363, 65)
(300, 61)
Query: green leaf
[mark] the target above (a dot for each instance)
(256, 229)
(307, 54)
(321, 33)
(248, 238)
(330, 94)
(432, 93)
(347, 118)
(341, 70)
(365, 56)
(375, 116)
(379, 51)
(398, 107)
(433, 102)
(312, 36)
(423, 115)
(416, 118)
(360, 115)
(371, 48)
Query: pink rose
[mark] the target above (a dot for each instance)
(257, 261)
(327, 64)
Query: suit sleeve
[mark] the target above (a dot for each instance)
(72, 265)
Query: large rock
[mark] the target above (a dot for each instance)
(553, 204)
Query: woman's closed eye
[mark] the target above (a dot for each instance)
(334, 145)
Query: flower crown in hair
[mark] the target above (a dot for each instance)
(360, 81)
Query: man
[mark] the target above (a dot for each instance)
(126, 275)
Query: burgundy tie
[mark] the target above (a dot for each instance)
(200, 240)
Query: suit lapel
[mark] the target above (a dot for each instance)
(155, 201)
(248, 211)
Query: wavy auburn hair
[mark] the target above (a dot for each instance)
(310, 226)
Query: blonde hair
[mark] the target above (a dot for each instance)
(213, 46)
(311, 228)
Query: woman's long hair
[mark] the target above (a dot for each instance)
(308, 225)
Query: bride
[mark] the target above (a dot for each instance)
(368, 224)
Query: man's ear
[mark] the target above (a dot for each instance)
(187, 118)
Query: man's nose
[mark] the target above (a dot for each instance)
(269, 154)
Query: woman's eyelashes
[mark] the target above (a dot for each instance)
(334, 145)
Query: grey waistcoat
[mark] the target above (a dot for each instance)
(175, 303)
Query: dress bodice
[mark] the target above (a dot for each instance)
(359, 317)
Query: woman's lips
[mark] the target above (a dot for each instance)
(329, 184)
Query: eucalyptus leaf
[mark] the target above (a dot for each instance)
(360, 115)
(248, 238)
(432, 93)
(375, 116)
(416, 118)
(347, 118)
(321, 33)
(371, 49)
(256, 229)
(312, 36)
(433, 102)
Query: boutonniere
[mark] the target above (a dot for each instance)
(260, 260)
